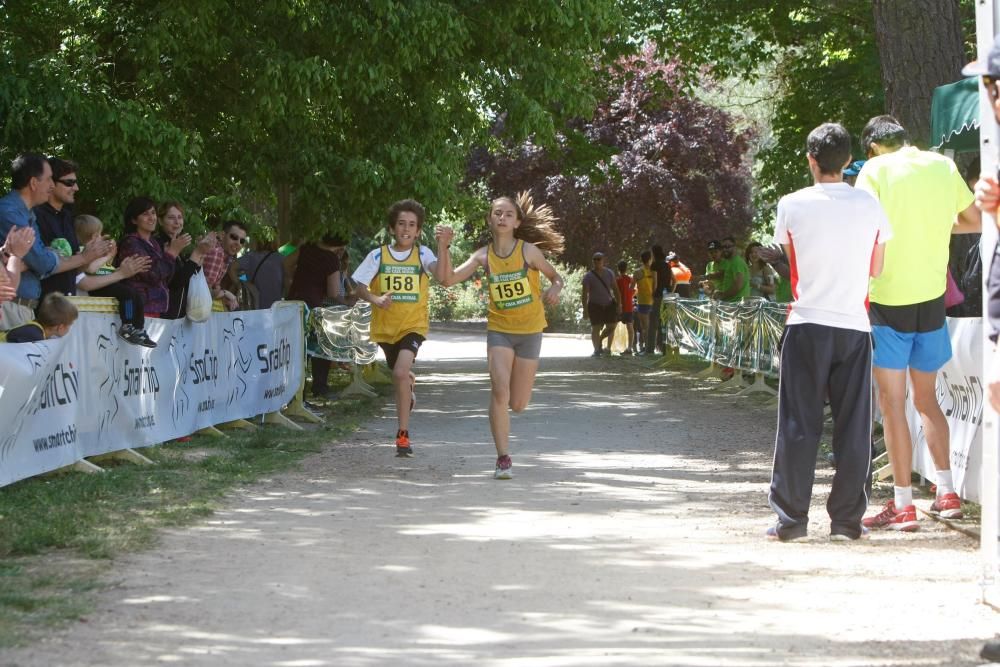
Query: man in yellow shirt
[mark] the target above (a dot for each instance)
(926, 200)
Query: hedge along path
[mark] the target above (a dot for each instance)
(630, 535)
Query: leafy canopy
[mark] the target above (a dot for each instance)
(347, 106)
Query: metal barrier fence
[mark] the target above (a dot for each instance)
(343, 334)
(742, 335)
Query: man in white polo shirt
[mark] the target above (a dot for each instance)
(834, 237)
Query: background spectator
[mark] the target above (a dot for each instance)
(626, 287)
(55, 221)
(219, 259)
(601, 302)
(775, 257)
(762, 276)
(19, 241)
(734, 276)
(56, 314)
(681, 276)
(314, 266)
(664, 285)
(265, 269)
(706, 282)
(31, 183)
(140, 224)
(345, 284)
(100, 278)
(645, 288)
(171, 219)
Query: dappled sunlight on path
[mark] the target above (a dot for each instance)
(630, 535)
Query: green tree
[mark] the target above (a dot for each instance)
(323, 112)
(824, 60)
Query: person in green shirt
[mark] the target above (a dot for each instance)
(705, 281)
(734, 281)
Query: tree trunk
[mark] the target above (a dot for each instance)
(920, 48)
(284, 212)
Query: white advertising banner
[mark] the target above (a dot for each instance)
(91, 392)
(960, 395)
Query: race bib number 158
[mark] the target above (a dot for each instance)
(404, 283)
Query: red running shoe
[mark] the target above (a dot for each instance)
(948, 506)
(904, 519)
(403, 448)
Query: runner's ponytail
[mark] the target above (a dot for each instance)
(537, 224)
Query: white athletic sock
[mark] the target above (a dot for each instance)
(904, 496)
(944, 483)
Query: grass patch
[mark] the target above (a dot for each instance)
(58, 533)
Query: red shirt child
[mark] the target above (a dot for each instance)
(627, 286)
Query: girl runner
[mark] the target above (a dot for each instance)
(515, 315)
(394, 280)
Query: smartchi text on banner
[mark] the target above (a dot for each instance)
(91, 392)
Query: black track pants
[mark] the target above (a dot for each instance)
(819, 361)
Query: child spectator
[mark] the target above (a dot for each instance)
(646, 287)
(626, 285)
(55, 315)
(346, 288)
(101, 278)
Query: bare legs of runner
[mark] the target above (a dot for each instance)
(402, 382)
(892, 401)
(512, 379)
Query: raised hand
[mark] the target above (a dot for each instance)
(769, 253)
(178, 243)
(444, 234)
(97, 248)
(987, 193)
(230, 300)
(134, 264)
(20, 240)
(207, 242)
(7, 289)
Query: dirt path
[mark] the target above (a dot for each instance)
(630, 535)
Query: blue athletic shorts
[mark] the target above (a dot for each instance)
(926, 352)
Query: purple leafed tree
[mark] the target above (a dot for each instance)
(653, 166)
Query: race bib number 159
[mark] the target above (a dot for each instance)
(510, 290)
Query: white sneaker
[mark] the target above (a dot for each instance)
(503, 469)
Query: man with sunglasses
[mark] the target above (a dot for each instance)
(221, 257)
(55, 221)
(31, 186)
(732, 275)
(926, 200)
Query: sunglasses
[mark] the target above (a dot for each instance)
(242, 239)
(68, 182)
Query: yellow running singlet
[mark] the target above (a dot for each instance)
(407, 281)
(515, 293)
